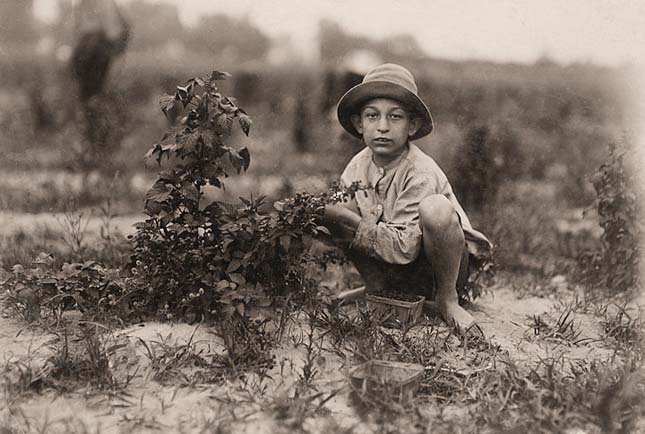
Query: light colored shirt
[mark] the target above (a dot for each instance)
(389, 227)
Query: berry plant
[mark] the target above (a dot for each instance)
(615, 265)
(203, 260)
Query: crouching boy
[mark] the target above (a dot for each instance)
(408, 232)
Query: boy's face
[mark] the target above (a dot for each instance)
(386, 127)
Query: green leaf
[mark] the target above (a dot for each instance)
(233, 265)
(246, 157)
(237, 278)
(219, 75)
(212, 172)
(188, 141)
(223, 284)
(159, 192)
(190, 191)
(236, 161)
(324, 230)
(225, 164)
(245, 121)
(167, 103)
(239, 307)
(224, 124)
(44, 258)
(182, 91)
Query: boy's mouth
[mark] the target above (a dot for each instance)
(382, 140)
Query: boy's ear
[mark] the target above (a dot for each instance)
(415, 124)
(358, 125)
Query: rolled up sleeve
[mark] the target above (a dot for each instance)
(396, 240)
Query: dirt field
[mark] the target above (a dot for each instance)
(253, 405)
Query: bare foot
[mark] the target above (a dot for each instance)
(457, 317)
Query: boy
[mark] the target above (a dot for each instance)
(408, 232)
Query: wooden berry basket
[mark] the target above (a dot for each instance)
(405, 313)
(396, 379)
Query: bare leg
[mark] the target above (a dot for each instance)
(369, 269)
(341, 236)
(443, 244)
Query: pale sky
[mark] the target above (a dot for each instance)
(604, 31)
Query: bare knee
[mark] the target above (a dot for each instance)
(437, 215)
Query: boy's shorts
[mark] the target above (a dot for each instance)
(416, 277)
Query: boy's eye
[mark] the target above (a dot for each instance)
(396, 116)
(371, 115)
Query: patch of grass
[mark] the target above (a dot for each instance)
(292, 409)
(555, 395)
(167, 359)
(624, 330)
(248, 347)
(80, 358)
(22, 247)
(564, 330)
(21, 377)
(81, 361)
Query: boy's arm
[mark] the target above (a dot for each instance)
(343, 220)
(397, 241)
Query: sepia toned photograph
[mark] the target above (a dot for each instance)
(329, 216)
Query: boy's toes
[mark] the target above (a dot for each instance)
(457, 317)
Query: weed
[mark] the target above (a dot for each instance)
(372, 340)
(293, 410)
(168, 359)
(74, 225)
(565, 330)
(624, 329)
(426, 348)
(313, 349)
(247, 347)
(44, 292)
(22, 247)
(20, 377)
(84, 360)
(338, 324)
(621, 401)
(142, 423)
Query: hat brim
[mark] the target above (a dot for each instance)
(351, 103)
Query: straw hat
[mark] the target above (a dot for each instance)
(385, 81)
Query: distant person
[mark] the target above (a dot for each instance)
(408, 233)
(103, 35)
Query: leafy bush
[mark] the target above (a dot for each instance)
(615, 265)
(41, 290)
(206, 260)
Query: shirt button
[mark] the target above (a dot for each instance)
(379, 208)
(381, 171)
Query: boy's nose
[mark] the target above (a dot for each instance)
(383, 125)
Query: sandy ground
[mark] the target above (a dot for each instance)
(147, 406)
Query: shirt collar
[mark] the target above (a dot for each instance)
(395, 162)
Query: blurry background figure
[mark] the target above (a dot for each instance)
(101, 35)
(478, 179)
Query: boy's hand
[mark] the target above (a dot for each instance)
(340, 214)
(342, 217)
